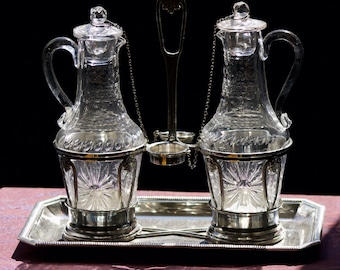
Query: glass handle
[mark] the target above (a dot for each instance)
(295, 42)
(55, 44)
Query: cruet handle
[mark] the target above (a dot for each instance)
(51, 47)
(295, 42)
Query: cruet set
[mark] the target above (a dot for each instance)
(244, 145)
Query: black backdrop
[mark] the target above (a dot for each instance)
(29, 111)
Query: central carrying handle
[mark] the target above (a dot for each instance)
(171, 59)
(172, 151)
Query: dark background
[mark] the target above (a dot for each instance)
(29, 110)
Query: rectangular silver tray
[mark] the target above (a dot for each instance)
(175, 222)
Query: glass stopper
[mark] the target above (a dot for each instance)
(240, 10)
(98, 15)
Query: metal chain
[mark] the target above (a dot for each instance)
(192, 163)
(132, 79)
(133, 86)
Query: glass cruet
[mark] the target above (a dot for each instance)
(99, 146)
(244, 144)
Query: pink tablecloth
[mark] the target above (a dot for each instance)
(16, 205)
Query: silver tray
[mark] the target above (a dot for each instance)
(175, 222)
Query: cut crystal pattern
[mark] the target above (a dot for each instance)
(245, 186)
(101, 185)
(97, 189)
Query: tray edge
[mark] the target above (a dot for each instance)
(38, 208)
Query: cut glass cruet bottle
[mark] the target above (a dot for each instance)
(244, 144)
(99, 146)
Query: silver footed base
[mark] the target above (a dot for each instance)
(86, 225)
(245, 228)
